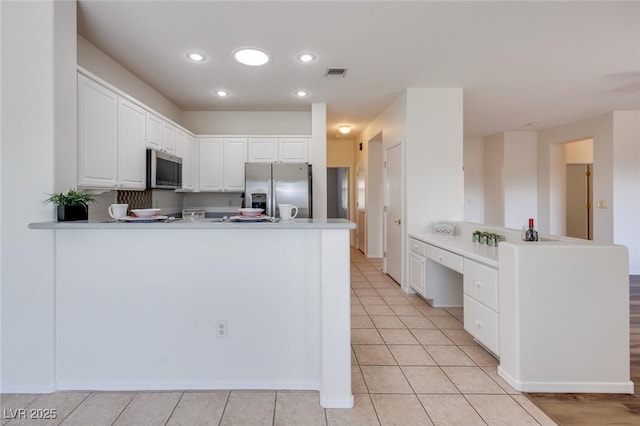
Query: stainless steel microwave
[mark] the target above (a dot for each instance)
(164, 171)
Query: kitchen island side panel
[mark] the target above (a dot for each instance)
(138, 309)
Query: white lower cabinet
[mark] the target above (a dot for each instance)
(482, 323)
(417, 266)
(481, 314)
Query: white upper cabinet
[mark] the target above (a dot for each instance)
(293, 150)
(131, 145)
(211, 158)
(161, 134)
(97, 135)
(184, 150)
(235, 156)
(222, 164)
(263, 150)
(111, 139)
(168, 138)
(273, 150)
(154, 131)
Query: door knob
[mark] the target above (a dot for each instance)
(397, 222)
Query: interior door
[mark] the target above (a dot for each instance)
(360, 207)
(393, 217)
(579, 193)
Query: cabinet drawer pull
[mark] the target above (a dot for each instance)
(440, 258)
(478, 283)
(477, 323)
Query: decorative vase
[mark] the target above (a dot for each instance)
(68, 213)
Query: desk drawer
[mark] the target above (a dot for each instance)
(481, 283)
(417, 246)
(482, 323)
(444, 257)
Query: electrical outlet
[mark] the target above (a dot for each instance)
(221, 328)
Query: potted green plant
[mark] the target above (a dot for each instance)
(73, 205)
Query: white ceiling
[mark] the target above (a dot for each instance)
(518, 62)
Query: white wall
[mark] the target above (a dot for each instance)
(105, 67)
(494, 180)
(626, 184)
(473, 158)
(434, 157)
(385, 131)
(65, 96)
(248, 122)
(428, 122)
(29, 135)
(579, 152)
(551, 174)
(520, 178)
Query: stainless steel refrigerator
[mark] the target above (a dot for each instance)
(281, 183)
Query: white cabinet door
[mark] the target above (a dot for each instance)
(131, 145)
(416, 272)
(168, 138)
(211, 160)
(263, 150)
(97, 135)
(184, 150)
(293, 150)
(235, 156)
(154, 131)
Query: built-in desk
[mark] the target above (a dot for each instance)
(555, 312)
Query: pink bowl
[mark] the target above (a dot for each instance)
(250, 212)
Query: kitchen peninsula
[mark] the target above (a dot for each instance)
(204, 305)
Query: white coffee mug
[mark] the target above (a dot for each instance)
(118, 211)
(286, 211)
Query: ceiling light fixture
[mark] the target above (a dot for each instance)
(251, 56)
(221, 93)
(301, 93)
(196, 56)
(344, 128)
(306, 57)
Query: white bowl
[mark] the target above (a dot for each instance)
(145, 212)
(250, 212)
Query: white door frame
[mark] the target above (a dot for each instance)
(361, 227)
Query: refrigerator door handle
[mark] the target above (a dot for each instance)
(271, 211)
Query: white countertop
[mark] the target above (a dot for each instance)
(462, 245)
(198, 224)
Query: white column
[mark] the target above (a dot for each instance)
(335, 384)
(319, 159)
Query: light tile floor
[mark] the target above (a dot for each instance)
(412, 364)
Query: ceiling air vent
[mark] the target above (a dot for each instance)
(336, 72)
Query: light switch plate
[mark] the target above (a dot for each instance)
(601, 204)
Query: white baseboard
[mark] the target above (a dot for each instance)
(327, 401)
(187, 385)
(22, 388)
(568, 387)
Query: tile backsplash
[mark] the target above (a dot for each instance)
(136, 199)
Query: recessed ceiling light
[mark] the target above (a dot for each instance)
(196, 56)
(302, 93)
(344, 128)
(306, 57)
(251, 56)
(221, 93)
